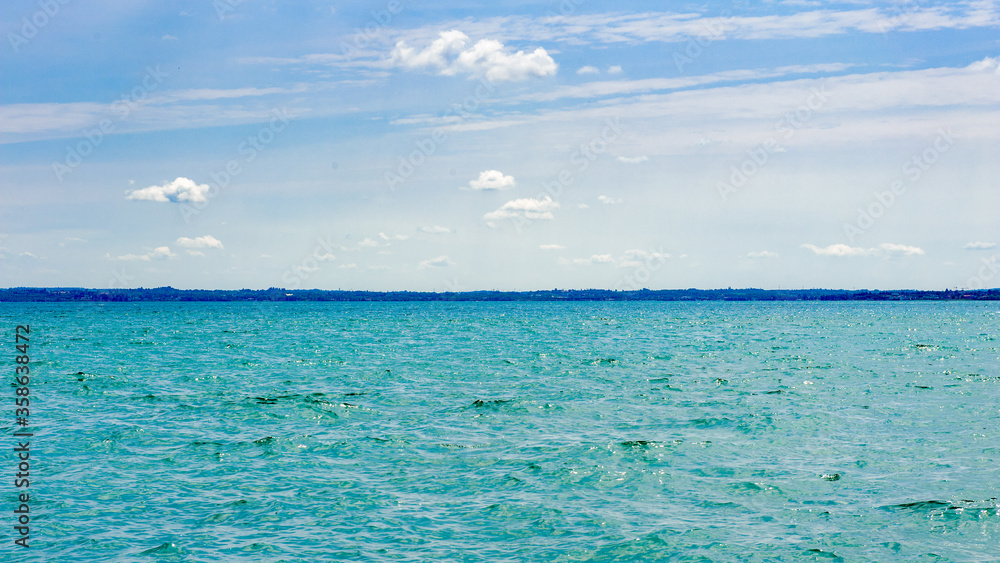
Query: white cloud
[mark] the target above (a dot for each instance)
(492, 180)
(912, 103)
(588, 70)
(168, 37)
(604, 88)
(632, 159)
(607, 200)
(837, 250)
(367, 243)
(594, 259)
(181, 189)
(207, 241)
(884, 249)
(439, 262)
(384, 236)
(980, 245)
(762, 254)
(635, 258)
(987, 64)
(901, 249)
(673, 27)
(435, 230)
(158, 253)
(527, 208)
(195, 253)
(449, 56)
(551, 247)
(616, 69)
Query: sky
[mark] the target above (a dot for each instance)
(433, 146)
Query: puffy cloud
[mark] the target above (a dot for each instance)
(449, 56)
(158, 253)
(762, 254)
(551, 247)
(448, 43)
(632, 159)
(181, 189)
(527, 208)
(435, 230)
(207, 241)
(616, 69)
(367, 243)
(439, 262)
(492, 180)
(607, 200)
(588, 70)
(980, 245)
(884, 249)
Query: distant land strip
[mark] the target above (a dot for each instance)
(161, 294)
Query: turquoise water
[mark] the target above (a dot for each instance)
(511, 432)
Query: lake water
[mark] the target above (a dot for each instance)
(509, 431)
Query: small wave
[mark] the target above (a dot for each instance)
(824, 554)
(988, 507)
(479, 403)
(168, 548)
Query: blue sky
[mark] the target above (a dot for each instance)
(521, 145)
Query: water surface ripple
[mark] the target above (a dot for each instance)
(513, 431)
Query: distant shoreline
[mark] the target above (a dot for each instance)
(169, 294)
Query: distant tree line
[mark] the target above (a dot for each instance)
(78, 294)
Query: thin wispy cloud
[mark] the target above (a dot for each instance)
(847, 251)
(526, 208)
(206, 241)
(438, 262)
(980, 245)
(158, 253)
(435, 230)
(632, 159)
